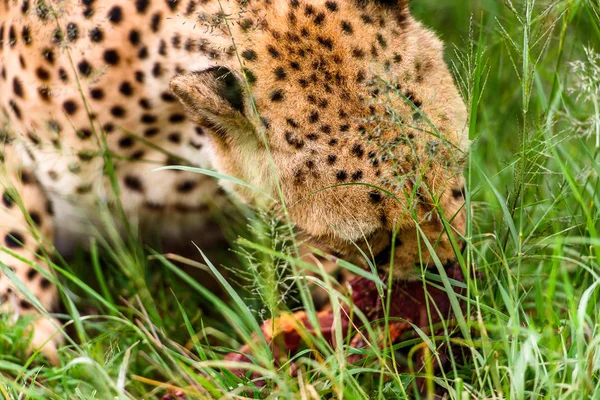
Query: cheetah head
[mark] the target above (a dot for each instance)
(346, 111)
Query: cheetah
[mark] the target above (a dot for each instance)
(343, 110)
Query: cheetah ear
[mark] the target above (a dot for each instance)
(214, 96)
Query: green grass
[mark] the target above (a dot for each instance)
(139, 324)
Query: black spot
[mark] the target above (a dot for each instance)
(115, 15)
(32, 273)
(12, 36)
(111, 57)
(341, 175)
(172, 4)
(375, 197)
(48, 55)
(143, 53)
(126, 89)
(24, 304)
(157, 70)
(54, 126)
(162, 48)
(7, 199)
(14, 240)
(97, 94)
(84, 68)
(134, 37)
(140, 76)
(176, 118)
(42, 10)
(27, 178)
(331, 5)
(333, 142)
(142, 6)
(70, 107)
(358, 150)
(49, 207)
(117, 111)
(280, 73)
(88, 11)
(176, 41)
(249, 75)
(148, 119)
(246, 24)
(84, 133)
(313, 117)
(366, 19)
(347, 27)
(331, 159)
(17, 87)
(186, 186)
(319, 18)
(84, 155)
(72, 32)
(42, 74)
(167, 97)
(273, 52)
(151, 132)
(145, 103)
(25, 7)
(138, 155)
(381, 40)
(325, 129)
(360, 76)
(325, 42)
(293, 141)
(249, 54)
(62, 74)
(174, 137)
(15, 109)
(303, 82)
(126, 142)
(344, 128)
(45, 283)
(96, 34)
(36, 218)
(312, 136)
(357, 175)
(277, 95)
(155, 22)
(108, 128)
(26, 34)
(358, 53)
(133, 183)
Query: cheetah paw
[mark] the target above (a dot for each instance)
(46, 338)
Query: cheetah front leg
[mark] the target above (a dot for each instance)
(26, 226)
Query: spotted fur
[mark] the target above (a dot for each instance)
(345, 107)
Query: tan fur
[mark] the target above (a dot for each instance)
(306, 97)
